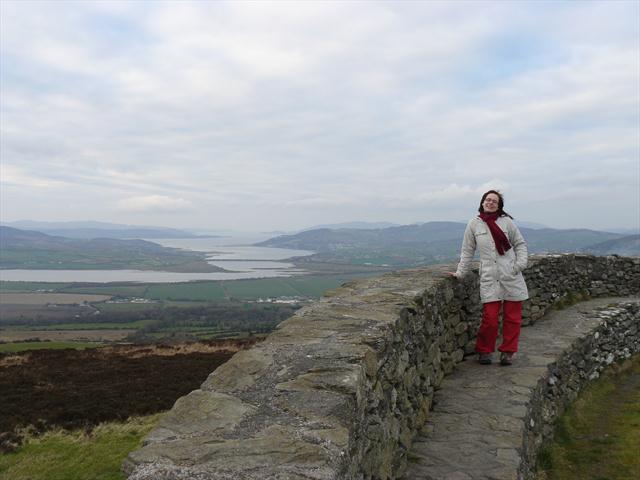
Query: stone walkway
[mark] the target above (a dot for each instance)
(476, 427)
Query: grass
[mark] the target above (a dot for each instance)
(13, 347)
(306, 286)
(214, 291)
(315, 286)
(192, 303)
(12, 286)
(76, 455)
(254, 289)
(250, 289)
(125, 307)
(208, 291)
(123, 290)
(50, 298)
(212, 335)
(598, 438)
(90, 326)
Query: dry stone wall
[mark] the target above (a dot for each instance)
(615, 338)
(339, 390)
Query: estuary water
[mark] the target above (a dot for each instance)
(231, 253)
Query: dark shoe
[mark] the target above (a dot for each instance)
(506, 358)
(485, 358)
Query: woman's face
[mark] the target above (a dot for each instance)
(491, 202)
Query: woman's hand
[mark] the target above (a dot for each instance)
(451, 274)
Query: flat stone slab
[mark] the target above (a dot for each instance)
(476, 428)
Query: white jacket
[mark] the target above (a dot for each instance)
(500, 275)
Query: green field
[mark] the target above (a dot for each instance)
(204, 309)
(122, 290)
(598, 438)
(261, 288)
(189, 303)
(77, 455)
(316, 285)
(311, 286)
(10, 286)
(14, 347)
(90, 326)
(126, 307)
(204, 335)
(208, 291)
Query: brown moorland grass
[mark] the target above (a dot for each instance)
(10, 334)
(71, 389)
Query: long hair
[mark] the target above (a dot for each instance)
(500, 212)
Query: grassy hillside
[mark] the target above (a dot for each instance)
(429, 243)
(77, 455)
(599, 436)
(629, 245)
(26, 249)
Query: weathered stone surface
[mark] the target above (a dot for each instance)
(341, 389)
(274, 453)
(201, 412)
(235, 376)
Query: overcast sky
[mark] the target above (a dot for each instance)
(282, 115)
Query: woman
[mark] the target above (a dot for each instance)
(503, 256)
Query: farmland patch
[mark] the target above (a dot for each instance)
(50, 298)
(91, 335)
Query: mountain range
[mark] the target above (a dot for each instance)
(37, 250)
(93, 245)
(434, 242)
(90, 229)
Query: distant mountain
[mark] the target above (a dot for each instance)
(37, 250)
(326, 239)
(15, 238)
(36, 224)
(352, 225)
(625, 231)
(90, 229)
(629, 245)
(430, 242)
(551, 240)
(406, 245)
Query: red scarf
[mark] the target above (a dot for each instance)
(499, 238)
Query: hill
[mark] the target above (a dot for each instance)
(421, 244)
(36, 250)
(352, 225)
(100, 230)
(629, 245)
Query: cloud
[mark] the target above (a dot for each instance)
(16, 177)
(402, 111)
(155, 203)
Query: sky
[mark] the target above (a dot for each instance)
(261, 115)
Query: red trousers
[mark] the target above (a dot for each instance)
(488, 333)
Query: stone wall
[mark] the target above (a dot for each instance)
(560, 280)
(339, 390)
(616, 338)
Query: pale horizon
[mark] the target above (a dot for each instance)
(275, 231)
